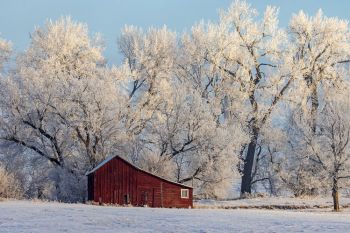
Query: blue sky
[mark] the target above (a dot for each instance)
(19, 17)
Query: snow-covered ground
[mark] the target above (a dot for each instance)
(27, 216)
(274, 202)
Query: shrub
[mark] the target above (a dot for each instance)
(9, 185)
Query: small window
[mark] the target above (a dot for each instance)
(185, 193)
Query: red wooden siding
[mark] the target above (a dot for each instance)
(118, 181)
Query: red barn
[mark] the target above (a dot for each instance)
(117, 181)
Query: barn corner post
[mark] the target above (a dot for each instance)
(161, 194)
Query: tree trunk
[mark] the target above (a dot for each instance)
(314, 106)
(246, 185)
(335, 195)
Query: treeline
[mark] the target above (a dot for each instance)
(241, 97)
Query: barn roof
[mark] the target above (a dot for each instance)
(117, 156)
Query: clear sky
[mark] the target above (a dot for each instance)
(19, 17)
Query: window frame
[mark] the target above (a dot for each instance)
(188, 194)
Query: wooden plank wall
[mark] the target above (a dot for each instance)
(117, 178)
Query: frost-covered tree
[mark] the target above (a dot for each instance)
(62, 104)
(325, 153)
(184, 135)
(5, 51)
(177, 133)
(318, 52)
(292, 169)
(148, 73)
(247, 55)
(149, 62)
(319, 45)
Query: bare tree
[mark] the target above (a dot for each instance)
(327, 149)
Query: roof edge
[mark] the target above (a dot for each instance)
(98, 166)
(136, 167)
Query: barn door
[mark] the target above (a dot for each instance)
(146, 197)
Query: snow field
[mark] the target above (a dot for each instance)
(28, 216)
